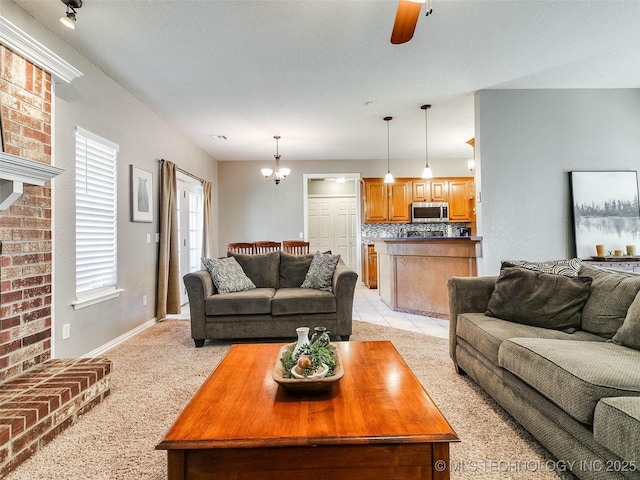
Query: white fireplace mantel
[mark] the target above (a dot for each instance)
(16, 171)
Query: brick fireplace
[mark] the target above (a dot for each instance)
(25, 227)
(39, 396)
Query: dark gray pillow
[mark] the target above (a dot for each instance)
(539, 299)
(293, 269)
(629, 333)
(321, 270)
(612, 292)
(261, 269)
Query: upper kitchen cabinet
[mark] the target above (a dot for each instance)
(429, 191)
(386, 203)
(461, 200)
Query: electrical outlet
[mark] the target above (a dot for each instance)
(301, 235)
(157, 237)
(66, 331)
(148, 238)
(144, 299)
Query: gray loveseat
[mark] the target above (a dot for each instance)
(577, 393)
(276, 307)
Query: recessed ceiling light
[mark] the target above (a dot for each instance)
(219, 137)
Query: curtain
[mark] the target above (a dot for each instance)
(168, 263)
(207, 224)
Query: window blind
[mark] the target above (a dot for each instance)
(96, 214)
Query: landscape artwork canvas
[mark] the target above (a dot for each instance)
(605, 211)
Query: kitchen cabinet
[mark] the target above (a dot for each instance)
(461, 200)
(370, 266)
(386, 203)
(429, 191)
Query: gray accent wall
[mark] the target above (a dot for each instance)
(97, 103)
(526, 143)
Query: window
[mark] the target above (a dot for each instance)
(96, 219)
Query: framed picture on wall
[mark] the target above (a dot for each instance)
(141, 195)
(605, 212)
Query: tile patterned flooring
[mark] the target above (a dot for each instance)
(368, 307)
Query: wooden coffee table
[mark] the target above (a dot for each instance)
(377, 422)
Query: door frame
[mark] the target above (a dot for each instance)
(305, 195)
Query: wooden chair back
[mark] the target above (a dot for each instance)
(265, 247)
(295, 247)
(240, 247)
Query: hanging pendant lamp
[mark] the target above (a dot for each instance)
(388, 178)
(279, 174)
(426, 173)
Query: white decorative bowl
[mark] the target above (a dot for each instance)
(319, 374)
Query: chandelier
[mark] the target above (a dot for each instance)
(279, 174)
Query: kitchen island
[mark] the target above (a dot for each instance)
(413, 271)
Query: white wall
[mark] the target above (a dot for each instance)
(253, 209)
(526, 143)
(98, 104)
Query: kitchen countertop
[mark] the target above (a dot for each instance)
(372, 241)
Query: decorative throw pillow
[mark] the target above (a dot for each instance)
(612, 293)
(539, 299)
(321, 270)
(568, 268)
(629, 333)
(227, 275)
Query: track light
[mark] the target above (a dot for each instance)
(69, 19)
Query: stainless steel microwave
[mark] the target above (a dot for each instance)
(426, 212)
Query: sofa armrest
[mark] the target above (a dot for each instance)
(466, 295)
(199, 287)
(344, 285)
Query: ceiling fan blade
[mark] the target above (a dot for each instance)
(406, 19)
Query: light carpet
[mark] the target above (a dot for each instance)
(157, 372)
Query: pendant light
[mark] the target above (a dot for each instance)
(279, 174)
(388, 178)
(426, 173)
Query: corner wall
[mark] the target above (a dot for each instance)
(526, 143)
(98, 104)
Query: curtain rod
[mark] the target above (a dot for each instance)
(185, 172)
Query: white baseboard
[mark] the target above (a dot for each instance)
(117, 341)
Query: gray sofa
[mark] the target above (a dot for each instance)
(577, 393)
(276, 307)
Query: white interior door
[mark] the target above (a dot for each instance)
(332, 223)
(190, 220)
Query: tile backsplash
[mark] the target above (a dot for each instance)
(393, 230)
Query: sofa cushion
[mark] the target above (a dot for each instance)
(250, 302)
(298, 301)
(486, 334)
(321, 270)
(612, 292)
(539, 299)
(616, 425)
(227, 275)
(574, 375)
(293, 269)
(569, 268)
(629, 333)
(261, 269)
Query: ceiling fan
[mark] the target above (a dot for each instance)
(406, 19)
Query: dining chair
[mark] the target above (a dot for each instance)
(265, 247)
(240, 247)
(295, 247)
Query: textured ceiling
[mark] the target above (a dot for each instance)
(323, 74)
